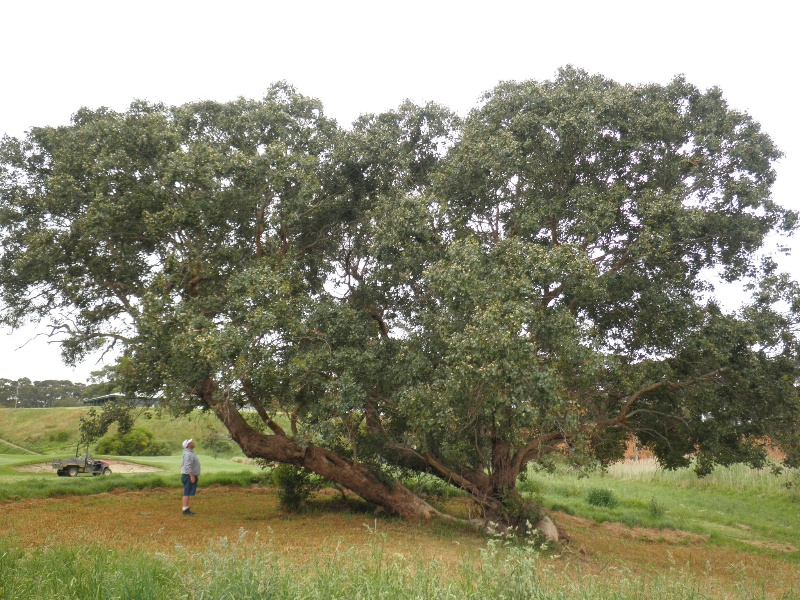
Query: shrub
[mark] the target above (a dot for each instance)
(137, 442)
(295, 486)
(216, 443)
(601, 497)
(530, 487)
(109, 445)
(59, 437)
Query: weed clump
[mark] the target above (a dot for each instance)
(601, 497)
(655, 508)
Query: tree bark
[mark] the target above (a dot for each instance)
(508, 507)
(358, 478)
(504, 475)
(496, 494)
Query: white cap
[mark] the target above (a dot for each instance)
(187, 442)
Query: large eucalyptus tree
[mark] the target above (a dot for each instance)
(420, 292)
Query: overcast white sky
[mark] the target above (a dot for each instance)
(368, 56)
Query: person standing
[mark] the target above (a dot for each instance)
(190, 472)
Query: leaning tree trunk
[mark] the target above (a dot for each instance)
(507, 507)
(358, 478)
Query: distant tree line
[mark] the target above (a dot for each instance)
(24, 393)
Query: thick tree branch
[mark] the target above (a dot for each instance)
(327, 463)
(540, 446)
(120, 294)
(624, 412)
(377, 316)
(262, 213)
(259, 408)
(476, 483)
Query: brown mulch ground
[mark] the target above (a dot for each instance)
(152, 521)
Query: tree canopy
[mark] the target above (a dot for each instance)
(420, 291)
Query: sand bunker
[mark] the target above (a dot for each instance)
(116, 466)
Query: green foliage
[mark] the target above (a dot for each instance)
(458, 297)
(427, 485)
(59, 437)
(530, 488)
(216, 443)
(295, 486)
(655, 508)
(240, 569)
(136, 442)
(24, 393)
(34, 486)
(96, 423)
(601, 497)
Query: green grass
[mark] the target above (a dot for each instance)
(170, 464)
(735, 505)
(732, 507)
(55, 430)
(244, 571)
(17, 485)
(39, 487)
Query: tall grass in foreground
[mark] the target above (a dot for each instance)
(243, 571)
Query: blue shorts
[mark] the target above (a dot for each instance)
(189, 488)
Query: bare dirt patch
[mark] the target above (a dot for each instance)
(620, 531)
(116, 466)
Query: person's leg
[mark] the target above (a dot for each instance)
(188, 490)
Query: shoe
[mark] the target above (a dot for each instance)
(188, 513)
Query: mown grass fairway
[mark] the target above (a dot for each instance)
(746, 547)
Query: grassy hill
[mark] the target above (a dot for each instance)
(54, 430)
